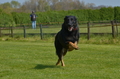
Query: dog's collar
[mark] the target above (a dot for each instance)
(75, 28)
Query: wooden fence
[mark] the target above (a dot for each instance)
(113, 24)
(114, 27)
(10, 30)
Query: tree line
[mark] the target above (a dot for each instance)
(47, 5)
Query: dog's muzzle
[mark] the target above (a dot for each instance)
(70, 29)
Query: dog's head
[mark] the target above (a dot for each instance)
(70, 23)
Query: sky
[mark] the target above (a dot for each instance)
(112, 3)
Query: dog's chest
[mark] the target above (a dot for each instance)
(70, 36)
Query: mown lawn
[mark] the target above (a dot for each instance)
(36, 60)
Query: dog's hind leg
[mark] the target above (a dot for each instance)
(58, 62)
(62, 62)
(60, 56)
(64, 51)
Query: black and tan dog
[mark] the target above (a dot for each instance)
(67, 38)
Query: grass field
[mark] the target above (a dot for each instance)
(36, 60)
(32, 58)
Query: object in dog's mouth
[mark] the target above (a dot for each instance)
(70, 28)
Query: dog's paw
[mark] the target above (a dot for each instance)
(73, 46)
(76, 48)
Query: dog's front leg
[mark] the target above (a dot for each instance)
(76, 45)
(73, 45)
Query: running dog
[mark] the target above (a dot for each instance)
(67, 38)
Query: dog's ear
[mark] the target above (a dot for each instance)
(65, 18)
(75, 21)
(75, 18)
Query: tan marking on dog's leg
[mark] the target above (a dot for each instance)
(62, 62)
(58, 62)
(70, 48)
(74, 45)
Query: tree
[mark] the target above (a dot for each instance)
(43, 5)
(15, 4)
(36, 5)
(91, 5)
(6, 7)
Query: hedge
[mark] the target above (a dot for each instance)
(6, 19)
(117, 13)
(53, 17)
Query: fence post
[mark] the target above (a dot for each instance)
(11, 28)
(24, 29)
(116, 27)
(113, 29)
(0, 32)
(41, 33)
(88, 27)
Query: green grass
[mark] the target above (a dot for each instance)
(36, 60)
(32, 58)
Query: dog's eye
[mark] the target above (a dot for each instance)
(67, 20)
(72, 20)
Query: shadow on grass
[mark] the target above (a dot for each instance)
(41, 66)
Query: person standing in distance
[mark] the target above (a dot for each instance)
(33, 19)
